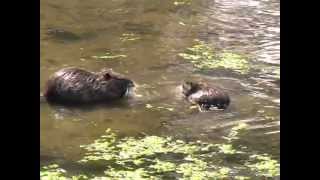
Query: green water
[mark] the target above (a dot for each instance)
(160, 31)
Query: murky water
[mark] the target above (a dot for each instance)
(74, 31)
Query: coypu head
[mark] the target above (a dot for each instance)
(190, 87)
(115, 81)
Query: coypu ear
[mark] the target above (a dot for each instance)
(107, 76)
(186, 88)
(189, 84)
(185, 83)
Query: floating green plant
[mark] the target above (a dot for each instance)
(202, 56)
(108, 55)
(54, 172)
(233, 61)
(241, 178)
(182, 23)
(129, 37)
(227, 149)
(264, 165)
(182, 2)
(127, 174)
(149, 106)
(154, 157)
(235, 132)
(163, 166)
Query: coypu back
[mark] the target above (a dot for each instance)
(205, 95)
(78, 86)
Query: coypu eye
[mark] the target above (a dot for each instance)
(185, 86)
(190, 84)
(107, 76)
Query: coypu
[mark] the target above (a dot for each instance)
(205, 96)
(78, 86)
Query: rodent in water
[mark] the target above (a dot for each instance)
(205, 96)
(78, 86)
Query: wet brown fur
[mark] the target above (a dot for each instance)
(206, 96)
(78, 86)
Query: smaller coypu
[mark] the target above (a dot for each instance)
(205, 96)
(78, 86)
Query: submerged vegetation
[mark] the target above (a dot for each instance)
(129, 37)
(109, 55)
(182, 2)
(154, 157)
(149, 106)
(202, 56)
(54, 172)
(148, 35)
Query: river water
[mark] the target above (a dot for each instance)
(74, 32)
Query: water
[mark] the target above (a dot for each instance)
(74, 31)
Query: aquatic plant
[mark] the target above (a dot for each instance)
(182, 2)
(263, 165)
(202, 56)
(129, 37)
(109, 55)
(149, 106)
(154, 157)
(54, 172)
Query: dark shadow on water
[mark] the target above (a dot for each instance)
(123, 104)
(61, 35)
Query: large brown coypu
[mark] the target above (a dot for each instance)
(205, 96)
(78, 86)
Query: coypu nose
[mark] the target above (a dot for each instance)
(130, 84)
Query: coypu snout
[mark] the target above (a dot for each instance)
(131, 84)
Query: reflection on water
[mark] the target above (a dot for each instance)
(150, 34)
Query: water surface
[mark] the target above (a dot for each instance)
(73, 32)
